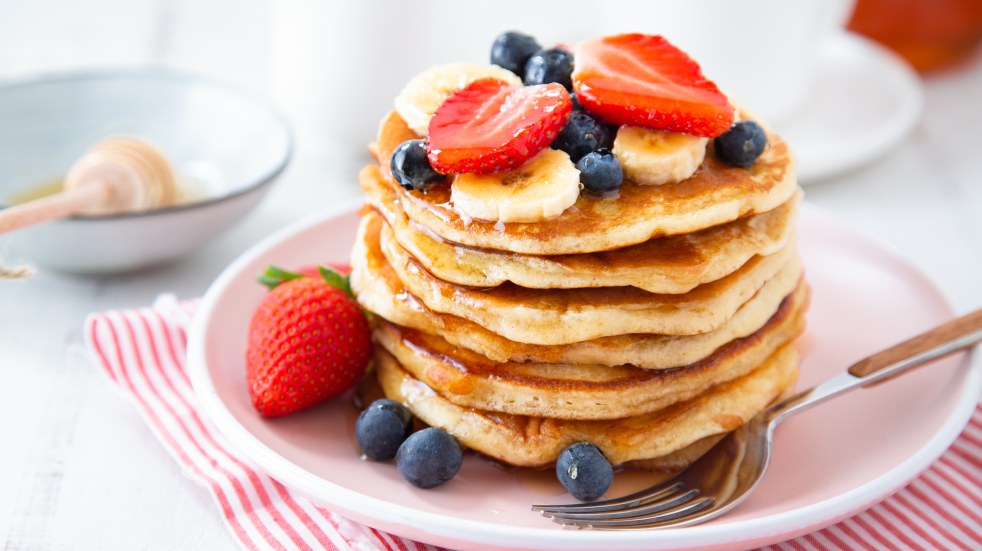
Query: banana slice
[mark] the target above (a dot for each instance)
(424, 93)
(652, 157)
(542, 188)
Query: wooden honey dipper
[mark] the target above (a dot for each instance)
(116, 175)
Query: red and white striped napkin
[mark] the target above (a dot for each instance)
(143, 353)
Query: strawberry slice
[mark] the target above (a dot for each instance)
(493, 126)
(643, 80)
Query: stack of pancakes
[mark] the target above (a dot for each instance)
(649, 324)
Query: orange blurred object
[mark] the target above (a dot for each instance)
(928, 33)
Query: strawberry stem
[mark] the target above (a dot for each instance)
(334, 278)
(275, 276)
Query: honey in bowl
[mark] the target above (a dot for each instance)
(189, 190)
(929, 35)
(37, 192)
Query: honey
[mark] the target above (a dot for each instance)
(189, 190)
(929, 35)
(37, 192)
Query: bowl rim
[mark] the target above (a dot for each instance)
(258, 100)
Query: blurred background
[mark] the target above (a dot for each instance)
(333, 68)
(891, 143)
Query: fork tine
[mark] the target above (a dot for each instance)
(633, 500)
(647, 509)
(662, 519)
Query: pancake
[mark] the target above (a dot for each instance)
(566, 391)
(716, 194)
(369, 390)
(562, 316)
(677, 460)
(379, 290)
(672, 265)
(537, 441)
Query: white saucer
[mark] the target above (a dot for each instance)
(865, 100)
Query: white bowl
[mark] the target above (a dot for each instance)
(229, 144)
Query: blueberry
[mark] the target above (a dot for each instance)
(584, 471)
(600, 172)
(512, 49)
(582, 134)
(411, 168)
(429, 458)
(382, 427)
(550, 65)
(741, 144)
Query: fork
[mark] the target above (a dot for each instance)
(727, 474)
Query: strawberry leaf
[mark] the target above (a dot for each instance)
(274, 276)
(335, 279)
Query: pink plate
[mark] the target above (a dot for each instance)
(829, 462)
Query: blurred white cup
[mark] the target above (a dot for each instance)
(337, 66)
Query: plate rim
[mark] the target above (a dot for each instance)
(346, 501)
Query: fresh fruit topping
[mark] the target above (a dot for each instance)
(742, 144)
(540, 189)
(492, 126)
(425, 92)
(308, 342)
(550, 65)
(584, 471)
(512, 50)
(382, 427)
(600, 172)
(411, 167)
(429, 458)
(643, 80)
(652, 157)
(582, 134)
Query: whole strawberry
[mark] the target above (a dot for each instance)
(308, 341)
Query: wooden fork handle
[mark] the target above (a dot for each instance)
(924, 342)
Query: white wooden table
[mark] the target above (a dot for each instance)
(80, 470)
